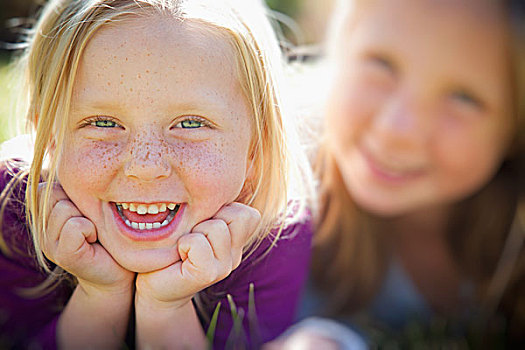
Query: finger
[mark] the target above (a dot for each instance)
(60, 213)
(218, 234)
(74, 241)
(57, 193)
(242, 221)
(197, 256)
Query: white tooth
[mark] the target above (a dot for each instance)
(164, 223)
(125, 205)
(171, 206)
(135, 225)
(128, 223)
(132, 207)
(142, 209)
(162, 208)
(156, 225)
(142, 225)
(153, 209)
(149, 225)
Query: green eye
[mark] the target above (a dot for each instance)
(466, 97)
(190, 124)
(104, 123)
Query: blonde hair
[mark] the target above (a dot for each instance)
(51, 60)
(487, 242)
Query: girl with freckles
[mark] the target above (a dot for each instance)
(159, 182)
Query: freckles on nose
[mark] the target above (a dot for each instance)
(147, 159)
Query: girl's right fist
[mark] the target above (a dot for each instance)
(70, 241)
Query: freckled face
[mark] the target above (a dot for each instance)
(158, 117)
(419, 113)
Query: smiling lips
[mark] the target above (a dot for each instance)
(392, 172)
(140, 216)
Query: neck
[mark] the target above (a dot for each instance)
(425, 224)
(420, 242)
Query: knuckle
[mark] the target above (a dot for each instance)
(62, 205)
(77, 223)
(201, 227)
(197, 238)
(191, 240)
(236, 260)
(216, 225)
(225, 272)
(228, 268)
(209, 275)
(236, 205)
(254, 214)
(221, 225)
(56, 191)
(221, 270)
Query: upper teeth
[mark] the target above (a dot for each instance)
(143, 209)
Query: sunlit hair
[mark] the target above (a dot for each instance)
(52, 58)
(486, 233)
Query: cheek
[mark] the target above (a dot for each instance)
(88, 165)
(347, 114)
(466, 157)
(212, 170)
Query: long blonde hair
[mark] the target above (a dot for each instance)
(57, 43)
(487, 241)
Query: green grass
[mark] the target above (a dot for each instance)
(6, 102)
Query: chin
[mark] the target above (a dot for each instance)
(380, 207)
(149, 261)
(383, 211)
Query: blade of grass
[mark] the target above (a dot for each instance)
(210, 334)
(237, 338)
(255, 336)
(233, 307)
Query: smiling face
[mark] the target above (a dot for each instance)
(419, 112)
(158, 124)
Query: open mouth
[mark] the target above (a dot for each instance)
(140, 216)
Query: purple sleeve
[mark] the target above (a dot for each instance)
(278, 278)
(25, 321)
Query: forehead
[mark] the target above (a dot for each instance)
(156, 54)
(448, 38)
(441, 23)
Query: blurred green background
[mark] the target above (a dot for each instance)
(4, 101)
(302, 22)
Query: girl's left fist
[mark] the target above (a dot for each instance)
(209, 253)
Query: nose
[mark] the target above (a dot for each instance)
(402, 121)
(147, 159)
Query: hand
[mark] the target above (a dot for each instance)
(209, 253)
(302, 339)
(71, 243)
(318, 333)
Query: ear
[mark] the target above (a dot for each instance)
(52, 146)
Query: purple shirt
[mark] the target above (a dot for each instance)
(278, 278)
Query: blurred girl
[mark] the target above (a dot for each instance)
(421, 166)
(161, 156)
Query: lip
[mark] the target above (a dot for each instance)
(150, 235)
(384, 175)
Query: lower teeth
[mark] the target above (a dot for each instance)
(148, 225)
